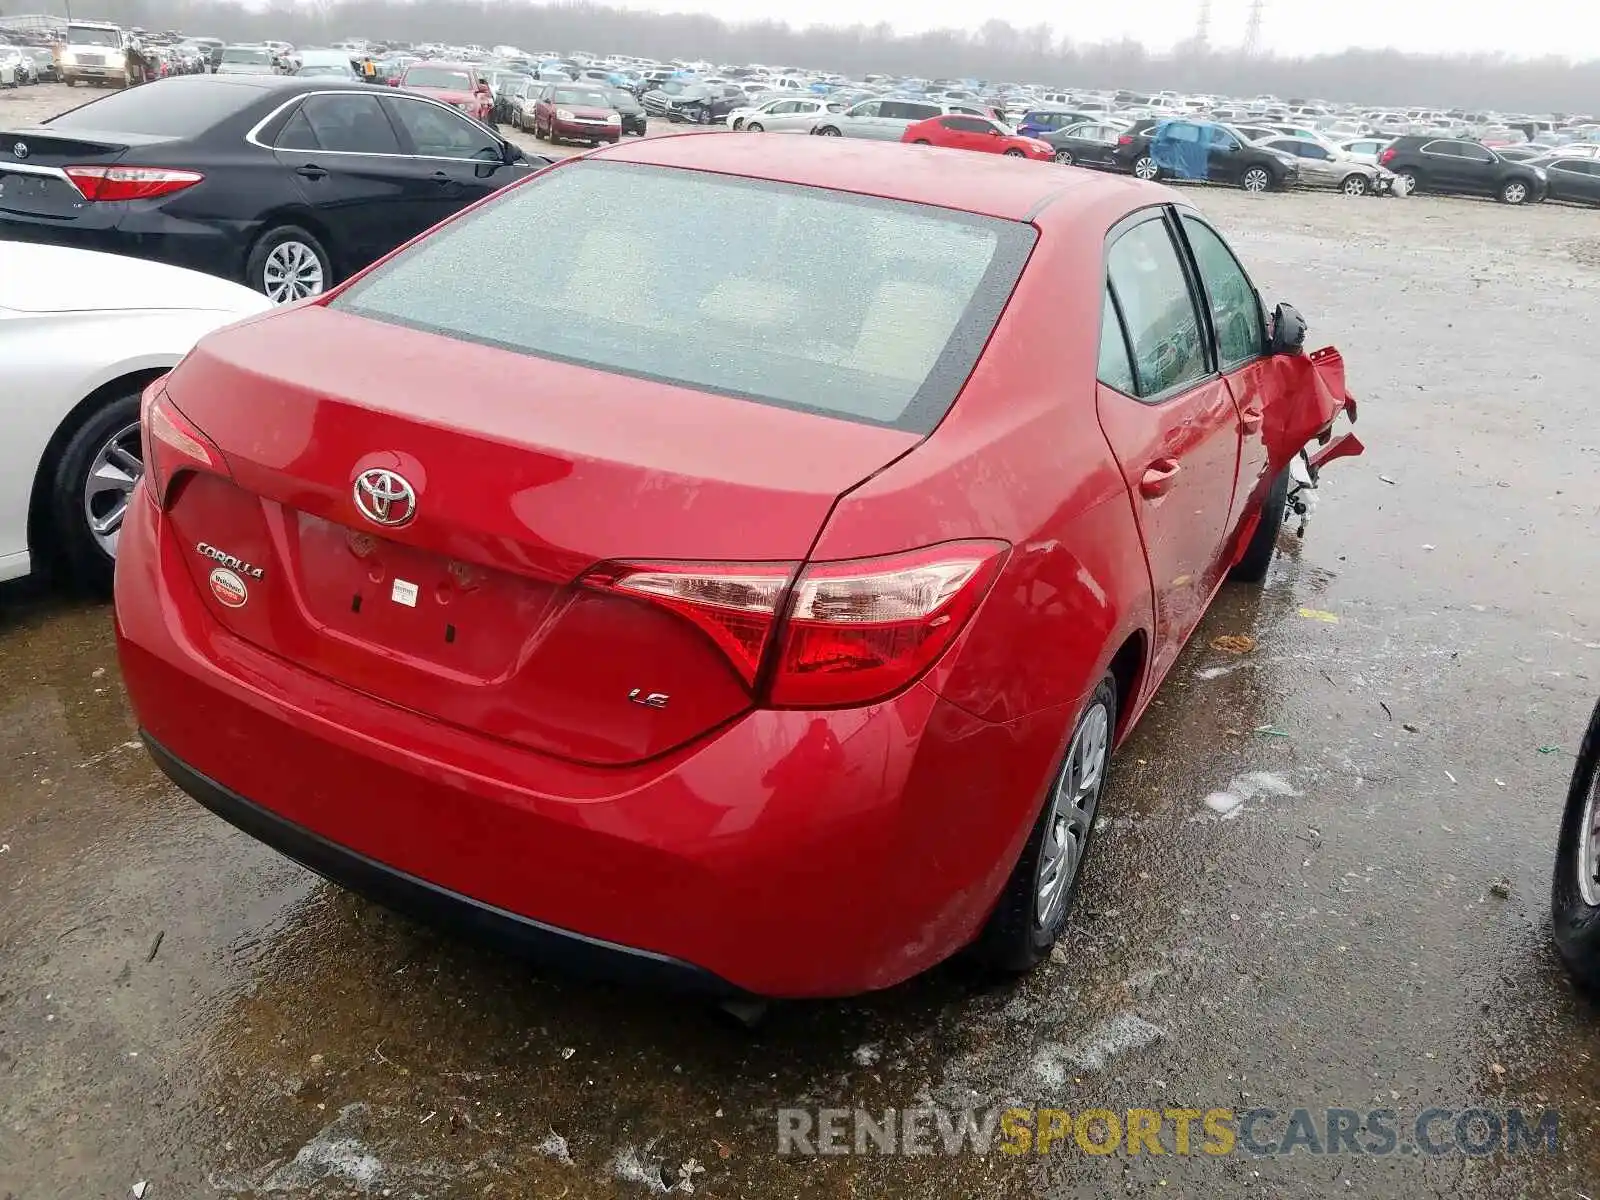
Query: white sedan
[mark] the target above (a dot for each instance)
(790, 114)
(81, 335)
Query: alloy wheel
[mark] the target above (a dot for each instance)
(1256, 180)
(1147, 168)
(292, 272)
(1064, 157)
(1589, 846)
(117, 467)
(1515, 193)
(1072, 810)
(1355, 186)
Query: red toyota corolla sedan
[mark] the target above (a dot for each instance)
(739, 640)
(958, 132)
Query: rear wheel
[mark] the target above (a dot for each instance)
(287, 264)
(1032, 910)
(1407, 183)
(1354, 185)
(921, 142)
(828, 131)
(1257, 557)
(91, 487)
(1064, 157)
(1145, 167)
(756, 127)
(1575, 891)
(1013, 153)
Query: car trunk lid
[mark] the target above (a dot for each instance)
(33, 183)
(526, 473)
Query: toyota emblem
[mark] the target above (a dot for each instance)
(20, 149)
(385, 498)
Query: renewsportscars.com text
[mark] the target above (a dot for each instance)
(1216, 1132)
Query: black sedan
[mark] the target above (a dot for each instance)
(633, 114)
(1085, 145)
(1575, 180)
(286, 184)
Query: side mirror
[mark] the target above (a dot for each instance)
(510, 152)
(1288, 330)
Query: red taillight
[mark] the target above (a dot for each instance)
(130, 183)
(1387, 156)
(172, 443)
(735, 604)
(851, 632)
(1125, 140)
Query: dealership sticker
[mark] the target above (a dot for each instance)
(228, 588)
(405, 592)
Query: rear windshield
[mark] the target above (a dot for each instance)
(720, 284)
(246, 54)
(438, 77)
(176, 108)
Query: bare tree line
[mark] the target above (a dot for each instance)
(995, 51)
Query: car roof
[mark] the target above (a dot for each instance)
(991, 184)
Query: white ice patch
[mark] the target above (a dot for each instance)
(1226, 804)
(335, 1153)
(631, 1166)
(1114, 1036)
(555, 1146)
(1217, 672)
(868, 1054)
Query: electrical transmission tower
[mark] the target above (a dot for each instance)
(1252, 28)
(1202, 25)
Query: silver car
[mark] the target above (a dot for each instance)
(791, 116)
(886, 118)
(1323, 166)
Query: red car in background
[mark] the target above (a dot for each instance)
(768, 638)
(959, 132)
(575, 113)
(454, 83)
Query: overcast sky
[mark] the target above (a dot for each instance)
(1565, 27)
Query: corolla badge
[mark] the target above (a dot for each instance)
(20, 149)
(385, 498)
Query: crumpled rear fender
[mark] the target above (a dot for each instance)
(1310, 395)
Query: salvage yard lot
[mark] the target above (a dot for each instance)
(1367, 929)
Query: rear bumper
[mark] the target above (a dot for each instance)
(139, 231)
(789, 853)
(404, 893)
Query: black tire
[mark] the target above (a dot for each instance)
(77, 551)
(1414, 186)
(1147, 168)
(1354, 185)
(1064, 157)
(756, 127)
(828, 131)
(922, 142)
(1013, 153)
(1256, 180)
(255, 268)
(1252, 567)
(1515, 191)
(1013, 940)
(1575, 922)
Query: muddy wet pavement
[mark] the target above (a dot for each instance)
(1321, 879)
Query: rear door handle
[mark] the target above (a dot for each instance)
(311, 171)
(1159, 477)
(1250, 419)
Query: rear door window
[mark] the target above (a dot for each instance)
(760, 316)
(348, 122)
